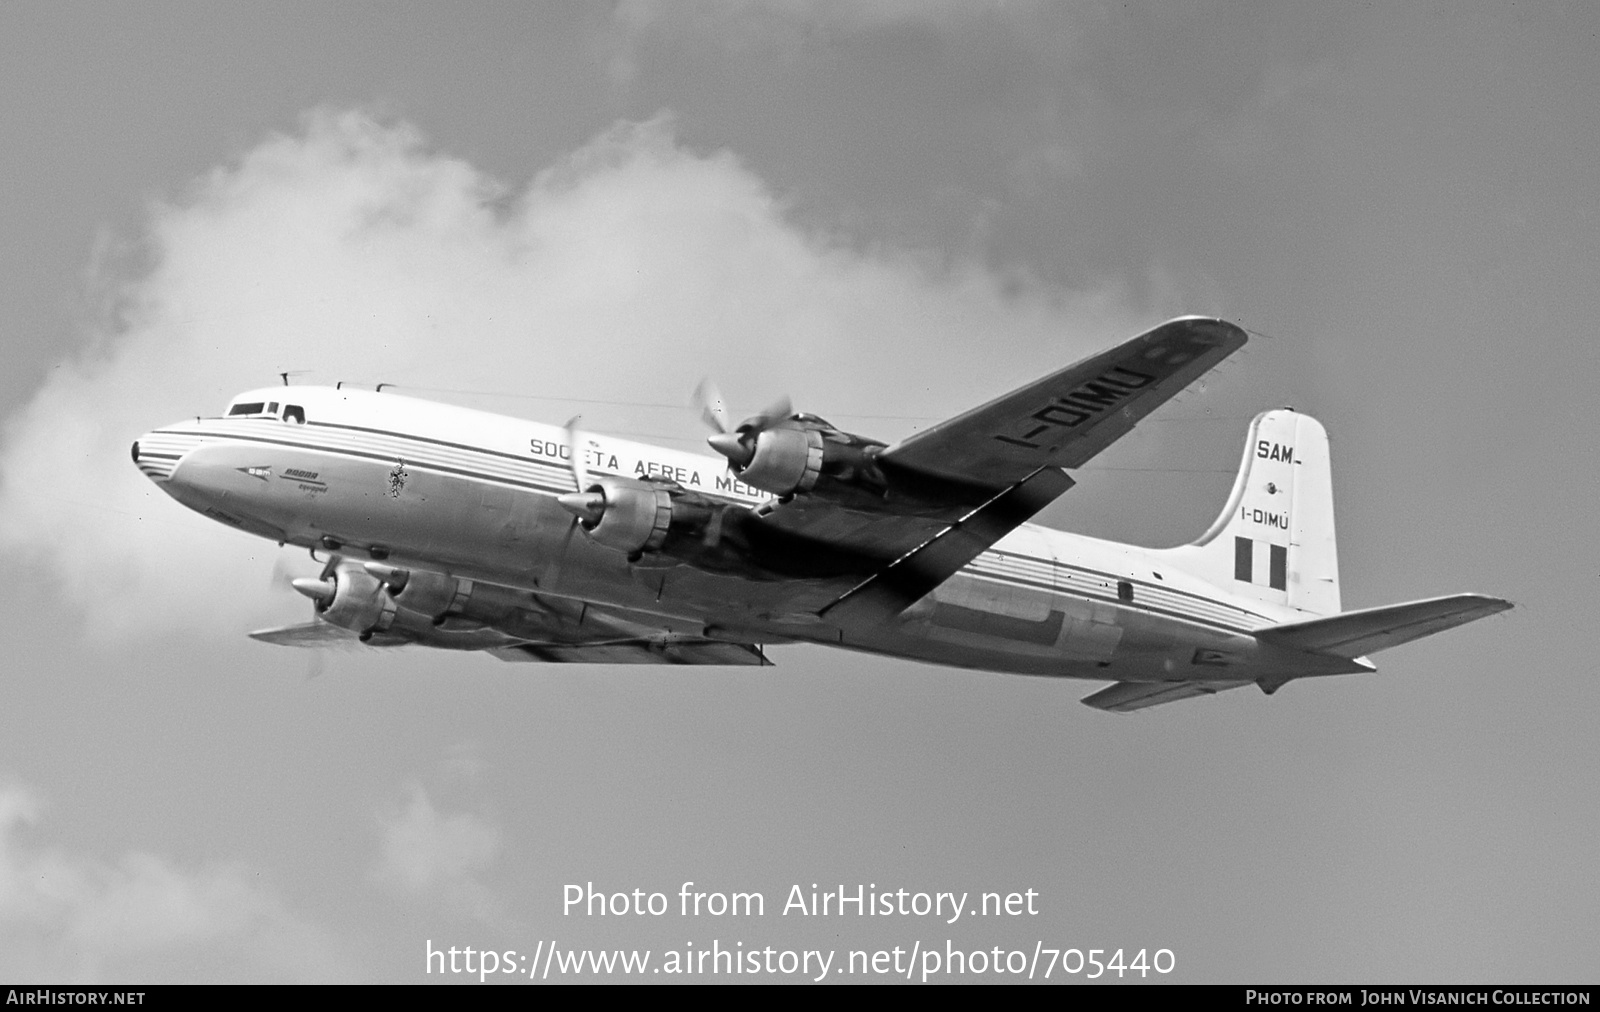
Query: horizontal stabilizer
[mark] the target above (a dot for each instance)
(1356, 633)
(1125, 697)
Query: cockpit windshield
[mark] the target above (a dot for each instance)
(265, 409)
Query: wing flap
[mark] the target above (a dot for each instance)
(1357, 633)
(1125, 697)
(1069, 416)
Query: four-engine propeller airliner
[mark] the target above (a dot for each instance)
(447, 527)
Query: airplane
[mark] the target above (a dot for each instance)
(446, 527)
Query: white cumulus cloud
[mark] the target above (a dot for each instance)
(78, 918)
(355, 250)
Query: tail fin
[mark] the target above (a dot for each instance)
(1274, 541)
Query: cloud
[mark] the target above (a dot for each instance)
(75, 918)
(839, 15)
(353, 249)
(426, 854)
(423, 850)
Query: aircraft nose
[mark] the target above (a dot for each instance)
(156, 455)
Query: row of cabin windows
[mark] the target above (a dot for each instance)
(291, 412)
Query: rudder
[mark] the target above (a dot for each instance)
(1274, 541)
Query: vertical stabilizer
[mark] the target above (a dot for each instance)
(1274, 541)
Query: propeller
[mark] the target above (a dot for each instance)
(736, 444)
(587, 508)
(282, 579)
(587, 502)
(713, 409)
(319, 588)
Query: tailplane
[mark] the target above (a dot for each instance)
(1372, 629)
(1274, 541)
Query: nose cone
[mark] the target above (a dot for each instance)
(732, 446)
(156, 454)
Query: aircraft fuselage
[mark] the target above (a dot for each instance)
(428, 486)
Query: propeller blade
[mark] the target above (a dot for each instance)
(580, 476)
(282, 575)
(778, 411)
(713, 409)
(713, 532)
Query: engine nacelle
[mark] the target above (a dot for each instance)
(389, 606)
(438, 596)
(425, 592)
(800, 453)
(635, 517)
(351, 598)
(786, 460)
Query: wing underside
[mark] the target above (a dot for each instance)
(957, 488)
(664, 649)
(644, 651)
(1125, 697)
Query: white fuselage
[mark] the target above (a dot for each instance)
(472, 494)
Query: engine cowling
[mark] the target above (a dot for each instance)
(785, 461)
(439, 596)
(351, 598)
(389, 606)
(634, 516)
(794, 455)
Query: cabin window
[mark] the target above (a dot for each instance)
(252, 408)
(272, 408)
(1124, 591)
(294, 413)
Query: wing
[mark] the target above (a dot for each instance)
(947, 494)
(316, 633)
(677, 650)
(1069, 416)
(660, 649)
(1125, 697)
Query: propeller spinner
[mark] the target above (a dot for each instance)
(738, 445)
(588, 501)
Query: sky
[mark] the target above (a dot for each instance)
(889, 212)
